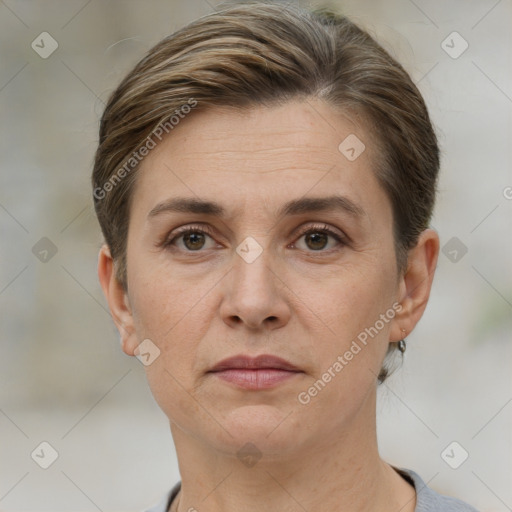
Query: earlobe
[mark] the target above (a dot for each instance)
(416, 283)
(117, 299)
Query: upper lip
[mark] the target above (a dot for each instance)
(264, 361)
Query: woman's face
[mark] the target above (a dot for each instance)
(267, 270)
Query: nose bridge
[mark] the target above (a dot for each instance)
(252, 268)
(253, 295)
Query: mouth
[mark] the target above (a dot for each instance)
(262, 372)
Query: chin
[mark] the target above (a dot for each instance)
(265, 426)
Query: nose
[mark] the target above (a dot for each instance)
(255, 295)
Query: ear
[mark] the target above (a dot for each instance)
(117, 299)
(415, 284)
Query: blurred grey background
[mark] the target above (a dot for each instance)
(63, 377)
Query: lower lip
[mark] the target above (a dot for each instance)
(263, 378)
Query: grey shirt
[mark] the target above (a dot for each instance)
(427, 500)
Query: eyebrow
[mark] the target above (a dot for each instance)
(294, 207)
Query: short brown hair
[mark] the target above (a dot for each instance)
(262, 54)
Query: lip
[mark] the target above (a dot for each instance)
(261, 362)
(255, 373)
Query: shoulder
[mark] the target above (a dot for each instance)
(165, 503)
(428, 500)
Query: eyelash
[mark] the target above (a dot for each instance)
(321, 228)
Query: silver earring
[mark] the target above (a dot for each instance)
(401, 344)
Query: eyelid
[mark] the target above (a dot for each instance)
(322, 226)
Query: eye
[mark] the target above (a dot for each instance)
(195, 238)
(190, 238)
(316, 238)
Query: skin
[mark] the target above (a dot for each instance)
(303, 299)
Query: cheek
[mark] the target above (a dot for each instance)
(162, 301)
(177, 326)
(173, 319)
(349, 299)
(348, 309)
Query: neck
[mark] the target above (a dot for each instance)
(340, 472)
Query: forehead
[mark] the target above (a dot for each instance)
(305, 126)
(261, 157)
